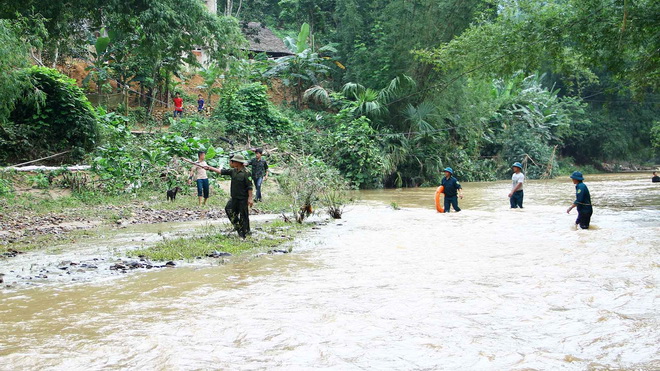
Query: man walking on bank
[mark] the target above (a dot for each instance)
(517, 180)
(259, 171)
(452, 188)
(237, 207)
(582, 201)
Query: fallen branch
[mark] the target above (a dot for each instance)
(40, 159)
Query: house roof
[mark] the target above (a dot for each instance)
(263, 40)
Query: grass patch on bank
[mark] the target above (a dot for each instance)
(266, 236)
(41, 242)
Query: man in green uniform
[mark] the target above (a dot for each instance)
(452, 189)
(259, 171)
(582, 201)
(237, 207)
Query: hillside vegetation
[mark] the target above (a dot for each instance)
(376, 93)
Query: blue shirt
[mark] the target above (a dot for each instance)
(451, 186)
(582, 196)
(200, 104)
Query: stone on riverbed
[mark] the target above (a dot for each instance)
(218, 254)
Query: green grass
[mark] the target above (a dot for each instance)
(209, 239)
(40, 242)
(274, 203)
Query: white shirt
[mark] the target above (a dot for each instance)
(517, 178)
(197, 172)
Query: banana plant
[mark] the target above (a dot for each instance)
(100, 70)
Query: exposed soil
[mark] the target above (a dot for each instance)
(16, 226)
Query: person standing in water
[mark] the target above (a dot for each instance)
(517, 179)
(451, 188)
(656, 178)
(259, 171)
(582, 201)
(237, 207)
(202, 180)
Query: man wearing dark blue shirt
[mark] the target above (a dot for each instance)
(451, 188)
(582, 201)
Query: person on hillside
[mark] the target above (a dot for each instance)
(200, 104)
(259, 171)
(452, 188)
(178, 105)
(199, 174)
(656, 178)
(517, 180)
(241, 200)
(582, 201)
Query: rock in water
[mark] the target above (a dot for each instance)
(218, 254)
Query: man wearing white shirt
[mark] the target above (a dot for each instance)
(517, 180)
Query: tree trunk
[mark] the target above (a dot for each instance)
(167, 91)
(238, 11)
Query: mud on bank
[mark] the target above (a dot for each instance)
(106, 251)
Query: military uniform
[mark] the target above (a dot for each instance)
(237, 207)
(451, 187)
(259, 168)
(583, 202)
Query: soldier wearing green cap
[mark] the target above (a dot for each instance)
(241, 200)
(582, 201)
(517, 179)
(452, 189)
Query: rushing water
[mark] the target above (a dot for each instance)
(410, 289)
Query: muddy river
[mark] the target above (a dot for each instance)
(409, 289)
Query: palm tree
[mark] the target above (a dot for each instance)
(305, 67)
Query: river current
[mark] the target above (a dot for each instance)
(488, 288)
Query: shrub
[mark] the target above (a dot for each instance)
(357, 153)
(5, 187)
(248, 111)
(65, 120)
(309, 180)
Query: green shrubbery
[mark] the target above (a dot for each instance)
(249, 112)
(354, 149)
(63, 120)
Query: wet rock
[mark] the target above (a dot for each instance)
(11, 253)
(2, 275)
(277, 251)
(170, 264)
(218, 254)
(117, 266)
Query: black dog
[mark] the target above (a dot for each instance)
(171, 194)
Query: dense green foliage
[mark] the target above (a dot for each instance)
(13, 57)
(64, 120)
(134, 42)
(249, 112)
(494, 82)
(386, 92)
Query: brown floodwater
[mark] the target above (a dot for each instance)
(484, 289)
